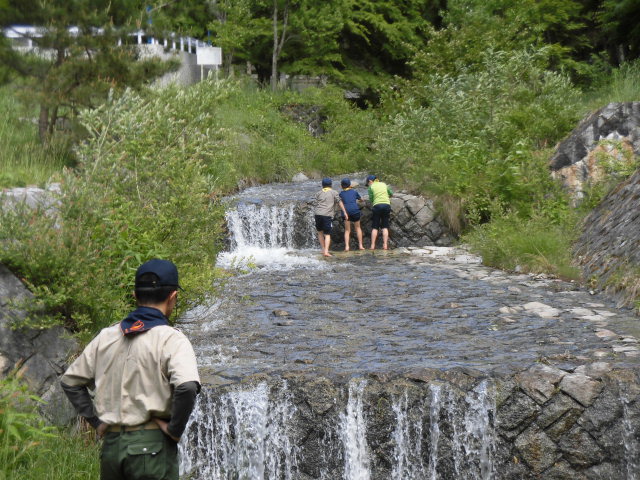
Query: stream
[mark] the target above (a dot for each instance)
(287, 312)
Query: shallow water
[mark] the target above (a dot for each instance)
(394, 311)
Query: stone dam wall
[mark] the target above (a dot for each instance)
(543, 422)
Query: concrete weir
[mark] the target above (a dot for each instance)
(414, 363)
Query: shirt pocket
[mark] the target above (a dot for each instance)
(146, 460)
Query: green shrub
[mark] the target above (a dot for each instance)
(150, 176)
(537, 244)
(481, 136)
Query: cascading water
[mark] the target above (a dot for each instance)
(354, 367)
(354, 428)
(251, 433)
(242, 434)
(268, 235)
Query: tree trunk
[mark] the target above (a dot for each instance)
(43, 124)
(278, 40)
(274, 54)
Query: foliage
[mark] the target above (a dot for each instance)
(620, 29)
(140, 192)
(23, 159)
(70, 70)
(31, 450)
(537, 244)
(471, 136)
(621, 84)
(22, 430)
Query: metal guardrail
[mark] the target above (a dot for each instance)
(23, 35)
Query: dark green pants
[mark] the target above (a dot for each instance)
(139, 455)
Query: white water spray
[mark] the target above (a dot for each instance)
(631, 446)
(271, 236)
(240, 435)
(354, 429)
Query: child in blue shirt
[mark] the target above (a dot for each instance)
(350, 199)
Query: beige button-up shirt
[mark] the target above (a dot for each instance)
(134, 376)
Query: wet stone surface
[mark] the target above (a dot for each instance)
(396, 311)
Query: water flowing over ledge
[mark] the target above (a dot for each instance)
(417, 363)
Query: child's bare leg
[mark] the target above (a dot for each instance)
(385, 238)
(359, 235)
(321, 240)
(327, 242)
(347, 234)
(374, 237)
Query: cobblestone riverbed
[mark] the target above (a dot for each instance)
(393, 311)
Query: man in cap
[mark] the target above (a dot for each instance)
(145, 378)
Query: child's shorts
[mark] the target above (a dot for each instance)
(353, 217)
(324, 224)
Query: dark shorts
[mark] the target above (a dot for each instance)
(380, 216)
(139, 455)
(324, 224)
(353, 217)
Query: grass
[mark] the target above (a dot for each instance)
(31, 450)
(534, 245)
(67, 455)
(23, 159)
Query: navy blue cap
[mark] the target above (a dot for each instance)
(326, 182)
(165, 270)
(371, 178)
(345, 183)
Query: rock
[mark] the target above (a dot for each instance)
(280, 313)
(299, 177)
(594, 370)
(539, 382)
(542, 310)
(580, 449)
(415, 204)
(609, 246)
(39, 356)
(575, 161)
(604, 333)
(537, 449)
(516, 414)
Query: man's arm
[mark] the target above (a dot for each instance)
(184, 399)
(81, 401)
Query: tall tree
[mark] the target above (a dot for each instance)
(71, 68)
(620, 26)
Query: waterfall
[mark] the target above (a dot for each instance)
(354, 428)
(261, 226)
(469, 426)
(241, 435)
(254, 433)
(434, 416)
(629, 439)
(270, 235)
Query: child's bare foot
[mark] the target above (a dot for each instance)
(385, 248)
(327, 254)
(346, 249)
(361, 247)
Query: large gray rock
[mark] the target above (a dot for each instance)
(613, 132)
(37, 356)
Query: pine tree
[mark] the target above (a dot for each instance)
(76, 59)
